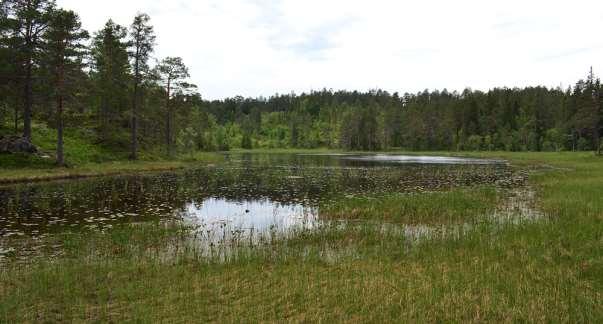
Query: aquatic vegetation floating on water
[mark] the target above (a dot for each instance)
(286, 185)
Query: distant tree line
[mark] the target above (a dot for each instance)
(55, 73)
(528, 119)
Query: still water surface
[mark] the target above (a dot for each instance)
(249, 192)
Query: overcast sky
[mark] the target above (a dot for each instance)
(260, 47)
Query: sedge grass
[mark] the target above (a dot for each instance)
(540, 271)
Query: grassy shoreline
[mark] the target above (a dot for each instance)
(38, 172)
(42, 173)
(86, 171)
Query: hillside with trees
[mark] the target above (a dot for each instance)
(107, 88)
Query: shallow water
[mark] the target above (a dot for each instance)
(248, 193)
(411, 159)
(222, 220)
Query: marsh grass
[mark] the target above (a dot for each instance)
(343, 275)
(446, 207)
(535, 271)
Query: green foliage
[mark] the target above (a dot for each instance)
(222, 141)
(359, 129)
(529, 119)
(474, 143)
(172, 71)
(246, 142)
(142, 44)
(111, 77)
(141, 47)
(554, 140)
(583, 144)
(186, 140)
(19, 161)
(25, 22)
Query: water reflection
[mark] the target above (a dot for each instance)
(220, 216)
(411, 159)
(260, 191)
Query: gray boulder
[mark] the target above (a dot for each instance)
(16, 144)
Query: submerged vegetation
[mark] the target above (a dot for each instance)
(543, 269)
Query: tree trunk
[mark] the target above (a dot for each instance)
(16, 114)
(28, 102)
(104, 119)
(60, 84)
(60, 149)
(597, 119)
(597, 139)
(27, 82)
(169, 121)
(134, 145)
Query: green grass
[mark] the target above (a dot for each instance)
(543, 271)
(450, 207)
(81, 147)
(44, 173)
(98, 169)
(85, 158)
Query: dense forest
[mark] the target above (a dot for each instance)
(108, 86)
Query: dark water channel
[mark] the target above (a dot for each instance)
(251, 192)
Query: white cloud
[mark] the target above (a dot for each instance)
(259, 47)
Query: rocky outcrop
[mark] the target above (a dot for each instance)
(16, 144)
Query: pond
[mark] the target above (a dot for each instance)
(247, 193)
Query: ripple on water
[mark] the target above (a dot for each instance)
(250, 193)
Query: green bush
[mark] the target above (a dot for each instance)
(583, 144)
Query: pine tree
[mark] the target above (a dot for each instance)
(111, 75)
(142, 44)
(29, 19)
(6, 66)
(64, 51)
(587, 118)
(172, 71)
(594, 88)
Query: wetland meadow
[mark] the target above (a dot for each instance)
(311, 237)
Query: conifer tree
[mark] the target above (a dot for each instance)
(64, 51)
(141, 47)
(29, 20)
(111, 75)
(172, 71)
